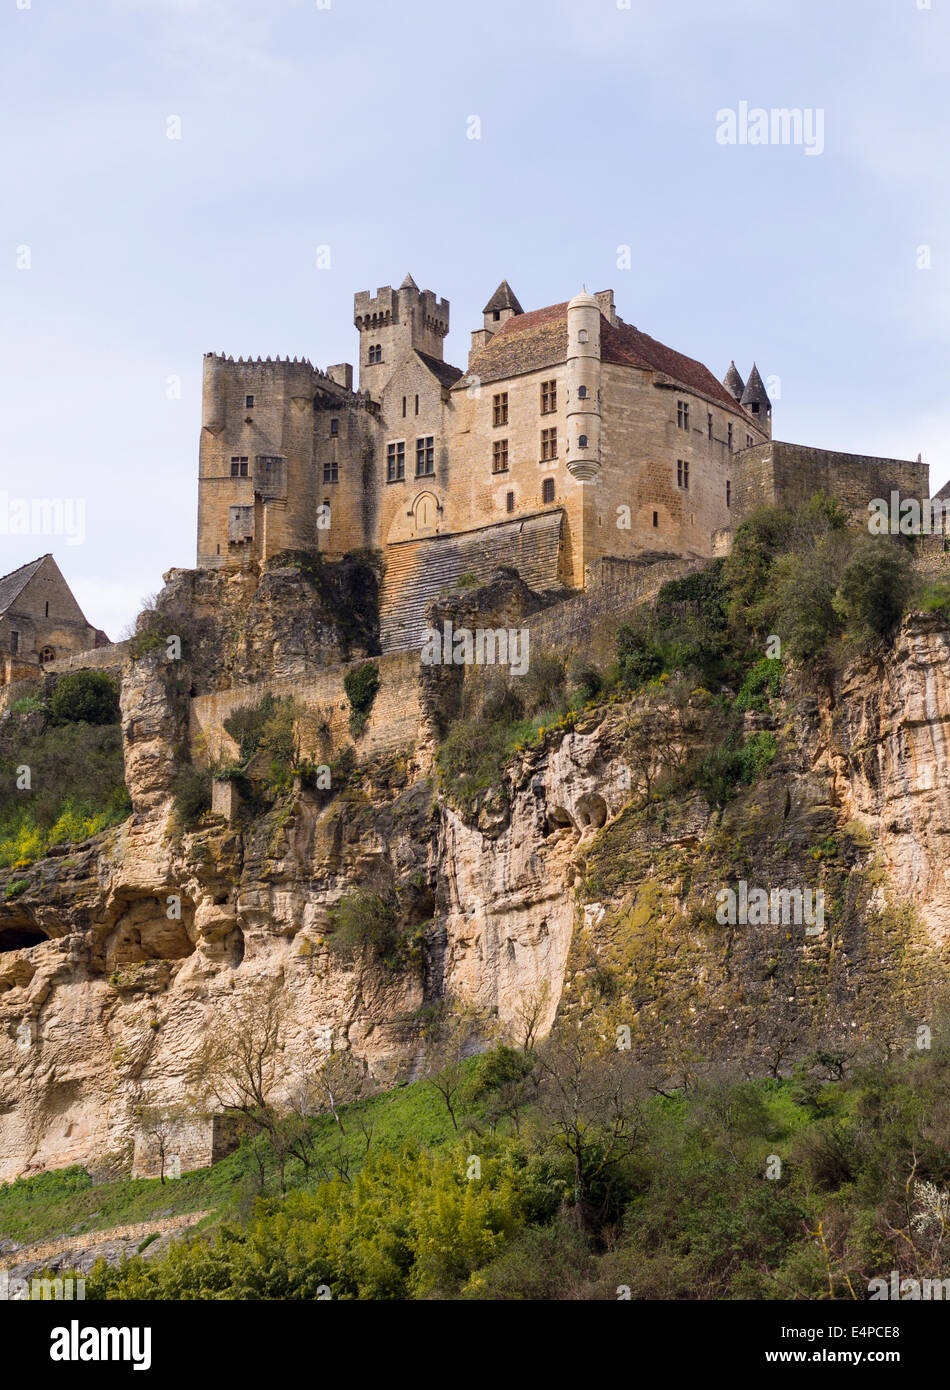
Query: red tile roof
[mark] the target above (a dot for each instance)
(532, 341)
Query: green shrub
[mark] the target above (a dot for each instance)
(762, 683)
(77, 785)
(586, 679)
(638, 658)
(365, 921)
(934, 597)
(467, 581)
(361, 685)
(874, 587)
(29, 704)
(88, 697)
(192, 793)
(542, 685)
(246, 725)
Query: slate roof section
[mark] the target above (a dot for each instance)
(444, 372)
(755, 392)
(503, 298)
(733, 382)
(529, 342)
(13, 584)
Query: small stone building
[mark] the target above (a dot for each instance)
(40, 620)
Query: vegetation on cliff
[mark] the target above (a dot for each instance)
(61, 768)
(808, 1187)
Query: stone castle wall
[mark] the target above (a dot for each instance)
(780, 473)
(395, 720)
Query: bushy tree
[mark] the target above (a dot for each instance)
(88, 697)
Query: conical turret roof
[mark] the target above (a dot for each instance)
(733, 382)
(408, 283)
(755, 392)
(503, 298)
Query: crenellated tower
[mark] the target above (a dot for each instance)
(393, 323)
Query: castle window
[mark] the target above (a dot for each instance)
(14, 641)
(582, 393)
(425, 456)
(749, 441)
(334, 426)
(46, 614)
(582, 336)
(248, 402)
(496, 315)
(375, 352)
(582, 441)
(548, 397)
(729, 439)
(331, 471)
(755, 407)
(547, 490)
(500, 409)
(656, 518)
(404, 407)
(238, 467)
(396, 461)
(548, 445)
(509, 501)
(682, 414)
(709, 423)
(417, 405)
(499, 462)
(682, 474)
(47, 654)
(728, 493)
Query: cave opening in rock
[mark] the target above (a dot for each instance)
(17, 938)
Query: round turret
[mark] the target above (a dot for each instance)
(583, 387)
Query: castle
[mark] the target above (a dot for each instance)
(572, 442)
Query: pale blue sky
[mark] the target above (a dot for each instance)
(347, 126)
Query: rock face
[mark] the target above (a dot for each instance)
(562, 887)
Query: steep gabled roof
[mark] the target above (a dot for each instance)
(538, 339)
(13, 584)
(503, 298)
(444, 372)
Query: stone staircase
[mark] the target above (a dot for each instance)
(418, 571)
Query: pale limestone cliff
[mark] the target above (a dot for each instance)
(557, 877)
